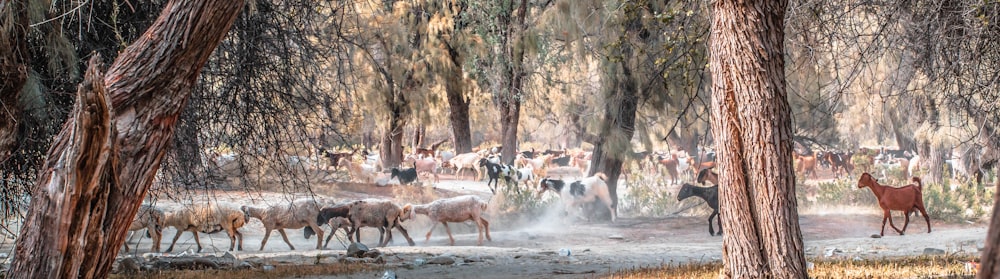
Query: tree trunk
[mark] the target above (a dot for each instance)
(459, 105)
(616, 134)
(752, 127)
(13, 71)
(938, 154)
(989, 262)
(392, 139)
(96, 177)
(509, 101)
(510, 115)
(419, 133)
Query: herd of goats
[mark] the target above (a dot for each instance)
(311, 214)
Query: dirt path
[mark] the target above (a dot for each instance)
(532, 250)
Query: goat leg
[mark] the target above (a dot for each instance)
(486, 226)
(447, 229)
(926, 218)
(906, 217)
(430, 231)
(711, 230)
(319, 235)
(197, 240)
(405, 234)
(285, 237)
(889, 214)
(176, 236)
(885, 216)
(267, 234)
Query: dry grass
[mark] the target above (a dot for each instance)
(912, 267)
(279, 271)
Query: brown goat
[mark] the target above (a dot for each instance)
(904, 199)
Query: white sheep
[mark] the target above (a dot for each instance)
(581, 192)
(151, 219)
(359, 172)
(207, 218)
(466, 161)
(377, 213)
(295, 215)
(455, 210)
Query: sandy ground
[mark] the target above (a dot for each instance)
(596, 248)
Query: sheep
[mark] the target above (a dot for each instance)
(456, 210)
(406, 176)
(299, 213)
(338, 217)
(359, 172)
(426, 165)
(151, 219)
(581, 192)
(377, 213)
(207, 218)
(465, 161)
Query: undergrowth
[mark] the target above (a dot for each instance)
(910, 267)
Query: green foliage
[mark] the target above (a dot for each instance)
(844, 192)
(862, 162)
(962, 202)
(646, 197)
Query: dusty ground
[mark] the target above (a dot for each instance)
(532, 250)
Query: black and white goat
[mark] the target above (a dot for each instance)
(580, 192)
(406, 176)
(517, 176)
(494, 171)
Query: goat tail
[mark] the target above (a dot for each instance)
(916, 181)
(602, 176)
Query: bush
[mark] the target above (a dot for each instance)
(645, 196)
(844, 192)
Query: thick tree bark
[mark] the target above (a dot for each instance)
(510, 116)
(616, 134)
(454, 87)
(752, 127)
(13, 70)
(392, 139)
(97, 177)
(989, 262)
(509, 101)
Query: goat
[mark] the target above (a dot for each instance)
(426, 165)
(581, 192)
(406, 176)
(328, 215)
(710, 195)
(335, 156)
(381, 214)
(455, 210)
(359, 172)
(297, 214)
(906, 199)
(494, 171)
(465, 161)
